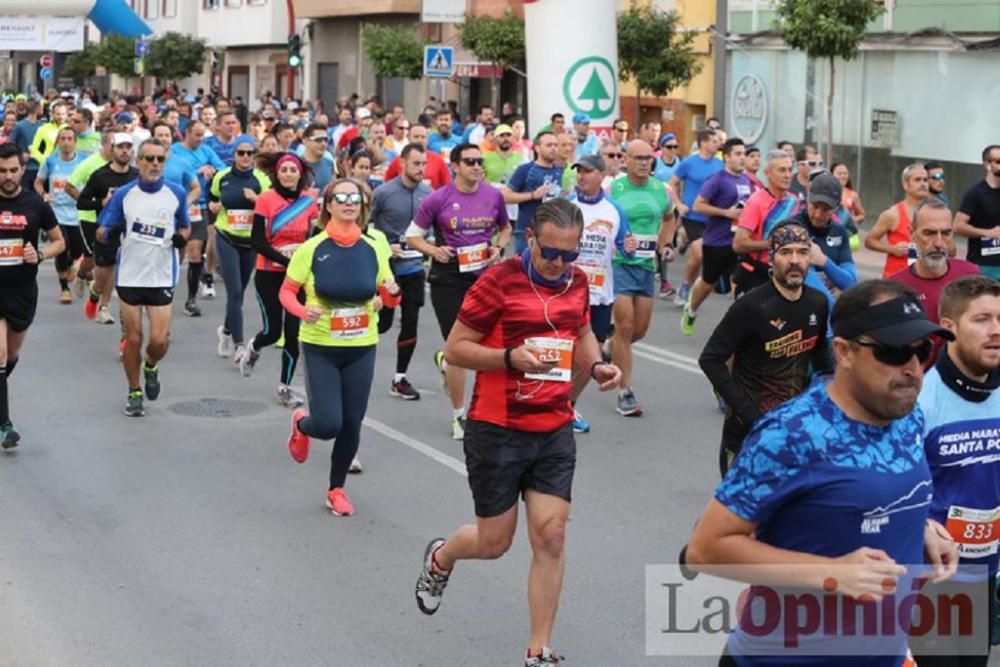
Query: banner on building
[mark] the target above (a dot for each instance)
(443, 11)
(41, 33)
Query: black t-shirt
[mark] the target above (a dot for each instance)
(21, 219)
(982, 204)
(774, 342)
(92, 196)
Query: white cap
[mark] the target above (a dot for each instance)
(121, 138)
(363, 112)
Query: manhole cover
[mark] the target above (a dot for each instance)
(217, 408)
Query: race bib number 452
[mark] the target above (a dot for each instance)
(553, 350)
(473, 257)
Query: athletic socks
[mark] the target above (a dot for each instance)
(63, 283)
(399, 377)
(456, 414)
(4, 407)
(194, 275)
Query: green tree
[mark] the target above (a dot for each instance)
(499, 41)
(82, 64)
(394, 51)
(652, 50)
(826, 29)
(175, 56)
(117, 55)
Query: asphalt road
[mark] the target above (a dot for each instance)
(195, 540)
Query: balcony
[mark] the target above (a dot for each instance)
(315, 9)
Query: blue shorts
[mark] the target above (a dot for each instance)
(634, 281)
(600, 322)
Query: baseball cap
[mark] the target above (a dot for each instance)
(362, 112)
(669, 136)
(581, 119)
(825, 189)
(896, 322)
(503, 128)
(590, 163)
(124, 117)
(121, 138)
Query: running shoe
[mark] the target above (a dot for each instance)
(298, 442)
(133, 408)
(191, 308)
(681, 298)
(225, 348)
(289, 398)
(8, 436)
(667, 290)
(687, 321)
(248, 360)
(580, 425)
(90, 307)
(104, 316)
(442, 366)
(207, 290)
(627, 405)
(355, 466)
(240, 350)
(548, 657)
(79, 286)
(152, 377)
(431, 582)
(404, 390)
(65, 297)
(458, 428)
(338, 502)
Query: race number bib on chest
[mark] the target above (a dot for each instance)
(596, 276)
(58, 185)
(194, 213)
(989, 247)
(240, 221)
(473, 257)
(553, 350)
(974, 530)
(149, 231)
(647, 246)
(11, 252)
(406, 252)
(349, 323)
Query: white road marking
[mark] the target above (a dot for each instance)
(416, 445)
(666, 357)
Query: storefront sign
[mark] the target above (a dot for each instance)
(41, 33)
(749, 108)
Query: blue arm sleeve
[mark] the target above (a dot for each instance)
(841, 275)
(215, 160)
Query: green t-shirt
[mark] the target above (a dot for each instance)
(498, 169)
(645, 207)
(78, 179)
(89, 143)
(568, 179)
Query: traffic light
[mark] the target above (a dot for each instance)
(294, 50)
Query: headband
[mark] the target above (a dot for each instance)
(288, 157)
(787, 234)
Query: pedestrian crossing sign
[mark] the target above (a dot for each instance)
(439, 61)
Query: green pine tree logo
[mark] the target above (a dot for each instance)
(594, 92)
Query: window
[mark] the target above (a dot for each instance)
(256, 3)
(210, 4)
(234, 3)
(169, 8)
(152, 9)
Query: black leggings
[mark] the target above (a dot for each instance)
(276, 320)
(412, 288)
(75, 247)
(338, 381)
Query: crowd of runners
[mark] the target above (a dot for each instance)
(542, 257)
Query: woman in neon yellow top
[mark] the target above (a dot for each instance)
(346, 275)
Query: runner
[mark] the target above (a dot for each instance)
(817, 473)
(668, 160)
(339, 329)
(222, 141)
(935, 182)
(605, 233)
(232, 198)
(959, 399)
(150, 216)
(686, 182)
(523, 328)
(978, 217)
(88, 219)
(807, 159)
(932, 235)
(95, 195)
(650, 212)
(314, 154)
(893, 224)
(721, 199)
(394, 206)
(764, 349)
(282, 221)
(765, 209)
(23, 216)
(437, 174)
(465, 217)
(52, 175)
(499, 165)
(533, 183)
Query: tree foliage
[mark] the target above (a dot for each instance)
(826, 28)
(175, 56)
(117, 55)
(80, 65)
(394, 51)
(496, 40)
(652, 51)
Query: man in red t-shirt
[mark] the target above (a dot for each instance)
(931, 232)
(437, 175)
(524, 326)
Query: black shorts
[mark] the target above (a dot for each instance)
(749, 274)
(199, 231)
(693, 229)
(718, 261)
(89, 232)
(503, 463)
(75, 245)
(447, 297)
(146, 296)
(600, 322)
(412, 288)
(17, 305)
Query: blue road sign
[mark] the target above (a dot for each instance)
(141, 48)
(46, 73)
(439, 61)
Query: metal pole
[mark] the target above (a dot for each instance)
(719, 57)
(290, 92)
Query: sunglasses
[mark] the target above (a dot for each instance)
(472, 161)
(246, 153)
(155, 158)
(672, 147)
(346, 197)
(812, 163)
(892, 355)
(321, 138)
(552, 254)
(937, 177)
(402, 127)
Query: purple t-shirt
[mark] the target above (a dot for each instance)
(723, 190)
(459, 219)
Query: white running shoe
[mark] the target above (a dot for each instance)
(104, 316)
(355, 466)
(225, 348)
(207, 291)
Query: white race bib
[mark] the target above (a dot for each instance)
(647, 246)
(349, 323)
(194, 213)
(989, 247)
(11, 252)
(473, 257)
(596, 277)
(559, 350)
(240, 220)
(974, 530)
(148, 231)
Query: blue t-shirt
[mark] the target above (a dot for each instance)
(693, 171)
(57, 171)
(815, 481)
(198, 158)
(588, 146)
(723, 190)
(527, 178)
(663, 171)
(178, 170)
(24, 135)
(443, 146)
(223, 150)
(840, 272)
(322, 172)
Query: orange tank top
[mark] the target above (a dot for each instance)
(901, 234)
